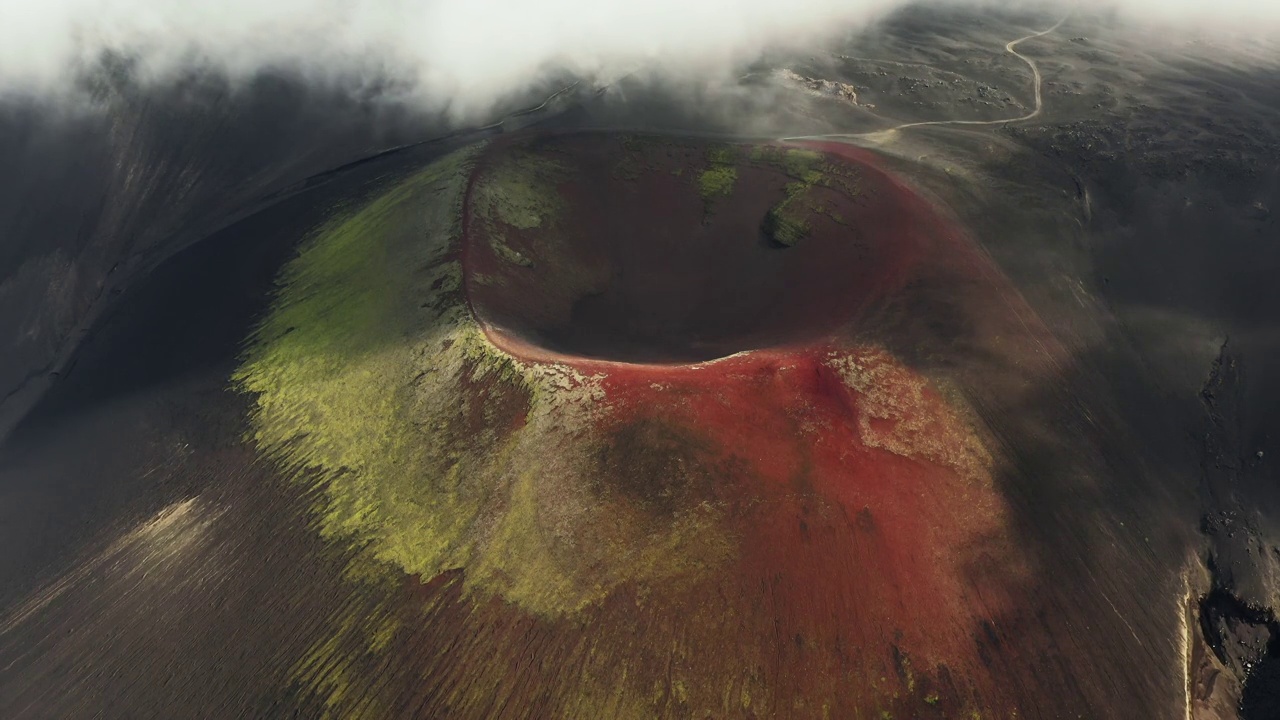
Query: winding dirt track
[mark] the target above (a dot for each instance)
(1010, 48)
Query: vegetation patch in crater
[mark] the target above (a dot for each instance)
(789, 221)
(718, 180)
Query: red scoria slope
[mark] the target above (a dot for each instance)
(791, 389)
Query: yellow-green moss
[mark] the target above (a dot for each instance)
(721, 155)
(369, 373)
(520, 191)
(789, 221)
(717, 182)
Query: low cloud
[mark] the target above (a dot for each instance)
(467, 54)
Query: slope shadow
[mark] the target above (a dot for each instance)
(156, 365)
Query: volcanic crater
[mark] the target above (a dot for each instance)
(643, 249)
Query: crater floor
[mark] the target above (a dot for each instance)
(664, 250)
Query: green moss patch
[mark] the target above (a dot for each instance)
(718, 180)
(789, 221)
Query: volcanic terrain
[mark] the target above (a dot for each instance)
(925, 375)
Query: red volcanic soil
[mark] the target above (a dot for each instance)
(872, 547)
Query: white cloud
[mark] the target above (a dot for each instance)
(467, 52)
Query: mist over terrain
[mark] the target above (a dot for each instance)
(468, 56)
